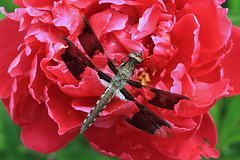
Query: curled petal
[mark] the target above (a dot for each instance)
(67, 16)
(209, 32)
(230, 64)
(37, 3)
(11, 39)
(38, 131)
(61, 111)
(147, 23)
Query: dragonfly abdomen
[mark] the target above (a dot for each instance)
(98, 107)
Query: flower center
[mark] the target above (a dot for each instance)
(144, 75)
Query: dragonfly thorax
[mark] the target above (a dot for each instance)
(126, 70)
(119, 80)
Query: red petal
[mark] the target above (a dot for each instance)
(231, 66)
(66, 16)
(126, 142)
(192, 148)
(108, 21)
(40, 132)
(99, 21)
(89, 86)
(187, 28)
(208, 130)
(20, 15)
(61, 111)
(38, 3)
(181, 3)
(80, 4)
(148, 22)
(19, 3)
(213, 20)
(207, 93)
(205, 96)
(10, 40)
(38, 80)
(20, 64)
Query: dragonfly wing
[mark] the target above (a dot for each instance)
(91, 44)
(76, 62)
(162, 99)
(147, 120)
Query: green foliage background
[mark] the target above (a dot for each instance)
(225, 114)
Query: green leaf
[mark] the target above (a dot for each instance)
(215, 112)
(8, 5)
(234, 5)
(2, 16)
(231, 119)
(234, 137)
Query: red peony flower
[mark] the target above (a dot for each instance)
(190, 48)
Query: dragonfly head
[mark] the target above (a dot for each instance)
(135, 56)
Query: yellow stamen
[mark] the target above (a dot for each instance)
(147, 77)
(153, 70)
(143, 82)
(144, 77)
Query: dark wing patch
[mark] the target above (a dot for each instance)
(147, 120)
(162, 99)
(76, 62)
(90, 44)
(89, 40)
(165, 99)
(150, 122)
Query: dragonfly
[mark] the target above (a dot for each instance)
(145, 119)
